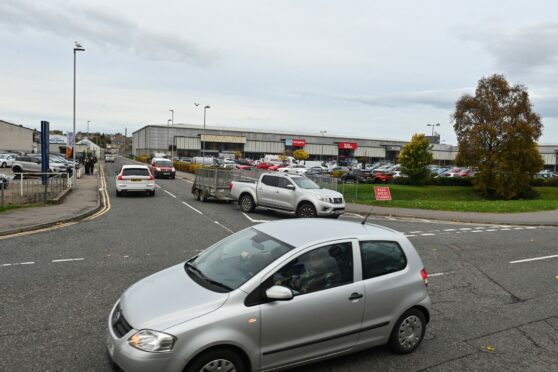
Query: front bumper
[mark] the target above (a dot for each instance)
(330, 209)
(129, 358)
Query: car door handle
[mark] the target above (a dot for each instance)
(355, 296)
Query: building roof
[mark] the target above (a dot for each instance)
(15, 125)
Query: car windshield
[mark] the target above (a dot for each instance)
(135, 172)
(305, 183)
(163, 163)
(232, 261)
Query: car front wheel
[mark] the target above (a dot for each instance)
(217, 360)
(408, 332)
(306, 210)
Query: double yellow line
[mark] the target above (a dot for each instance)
(106, 207)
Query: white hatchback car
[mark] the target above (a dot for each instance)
(135, 178)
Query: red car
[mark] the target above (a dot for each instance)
(161, 167)
(263, 166)
(381, 177)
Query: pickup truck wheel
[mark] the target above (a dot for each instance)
(246, 203)
(306, 210)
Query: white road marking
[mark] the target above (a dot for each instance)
(480, 227)
(415, 232)
(174, 196)
(427, 234)
(534, 259)
(518, 228)
(157, 186)
(505, 229)
(530, 227)
(224, 227)
(125, 256)
(449, 229)
(478, 231)
(436, 274)
(6, 265)
(254, 220)
(27, 263)
(465, 228)
(491, 230)
(68, 259)
(408, 236)
(189, 206)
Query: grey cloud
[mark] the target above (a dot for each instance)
(442, 99)
(97, 26)
(519, 50)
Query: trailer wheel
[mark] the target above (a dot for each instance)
(197, 194)
(203, 196)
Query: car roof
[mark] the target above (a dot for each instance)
(301, 232)
(134, 166)
(157, 159)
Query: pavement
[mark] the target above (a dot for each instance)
(83, 200)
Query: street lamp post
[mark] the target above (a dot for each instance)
(322, 132)
(172, 134)
(204, 115)
(168, 132)
(77, 48)
(433, 125)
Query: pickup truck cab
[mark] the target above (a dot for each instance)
(288, 193)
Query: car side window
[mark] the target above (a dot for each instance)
(283, 182)
(270, 181)
(380, 258)
(325, 267)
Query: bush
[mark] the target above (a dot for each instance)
(143, 159)
(452, 181)
(337, 174)
(186, 167)
(538, 182)
(552, 182)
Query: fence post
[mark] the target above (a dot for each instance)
(21, 185)
(2, 195)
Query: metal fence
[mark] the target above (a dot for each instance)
(29, 189)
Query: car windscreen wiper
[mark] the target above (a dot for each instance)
(191, 266)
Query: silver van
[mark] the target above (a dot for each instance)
(275, 296)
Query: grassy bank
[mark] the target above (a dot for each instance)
(449, 198)
(7, 208)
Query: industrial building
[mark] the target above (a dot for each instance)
(16, 138)
(193, 140)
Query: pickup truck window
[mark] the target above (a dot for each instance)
(305, 183)
(283, 182)
(270, 180)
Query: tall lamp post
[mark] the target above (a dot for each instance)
(204, 115)
(77, 48)
(172, 134)
(322, 132)
(168, 132)
(433, 125)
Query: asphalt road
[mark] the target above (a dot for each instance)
(57, 287)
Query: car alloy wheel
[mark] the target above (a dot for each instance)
(246, 203)
(219, 365)
(306, 211)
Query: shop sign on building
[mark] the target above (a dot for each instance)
(348, 145)
(295, 142)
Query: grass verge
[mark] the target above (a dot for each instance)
(7, 208)
(450, 198)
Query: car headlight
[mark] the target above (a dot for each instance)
(324, 199)
(158, 169)
(173, 170)
(152, 341)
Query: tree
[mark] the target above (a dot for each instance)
(497, 132)
(300, 154)
(415, 157)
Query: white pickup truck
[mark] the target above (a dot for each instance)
(287, 193)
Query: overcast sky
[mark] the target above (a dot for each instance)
(362, 68)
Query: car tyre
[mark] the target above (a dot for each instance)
(118, 193)
(247, 203)
(197, 195)
(306, 210)
(217, 360)
(4, 165)
(203, 196)
(151, 192)
(408, 332)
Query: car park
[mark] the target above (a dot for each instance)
(272, 296)
(161, 167)
(135, 178)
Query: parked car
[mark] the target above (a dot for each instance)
(294, 169)
(32, 164)
(275, 295)
(161, 167)
(382, 177)
(315, 171)
(135, 178)
(7, 160)
(109, 158)
(287, 193)
(263, 165)
(4, 181)
(356, 176)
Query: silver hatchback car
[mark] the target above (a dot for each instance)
(275, 296)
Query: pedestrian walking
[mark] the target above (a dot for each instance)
(87, 164)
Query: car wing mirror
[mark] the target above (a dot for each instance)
(279, 293)
(290, 186)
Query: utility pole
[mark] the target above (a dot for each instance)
(172, 135)
(77, 48)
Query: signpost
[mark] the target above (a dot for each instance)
(45, 127)
(382, 193)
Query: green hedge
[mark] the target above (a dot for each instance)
(440, 181)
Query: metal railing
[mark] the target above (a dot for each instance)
(28, 188)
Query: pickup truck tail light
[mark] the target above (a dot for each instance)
(230, 186)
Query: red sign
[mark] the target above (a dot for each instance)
(348, 145)
(382, 193)
(299, 143)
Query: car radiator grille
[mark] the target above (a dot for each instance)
(120, 326)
